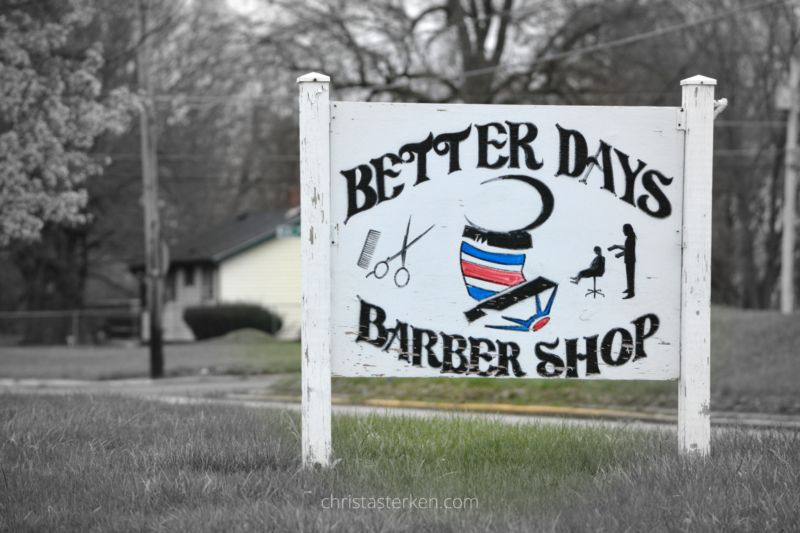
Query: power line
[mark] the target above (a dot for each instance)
(122, 156)
(201, 100)
(629, 40)
(208, 100)
(167, 180)
(227, 100)
(750, 123)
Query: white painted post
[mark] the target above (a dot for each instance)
(315, 228)
(694, 421)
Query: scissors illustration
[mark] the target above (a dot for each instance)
(402, 276)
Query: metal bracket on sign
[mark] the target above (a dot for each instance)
(682, 119)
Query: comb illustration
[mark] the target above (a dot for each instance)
(369, 248)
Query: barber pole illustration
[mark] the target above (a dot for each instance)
(492, 263)
(486, 273)
(490, 273)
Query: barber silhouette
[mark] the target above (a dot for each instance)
(629, 251)
(596, 269)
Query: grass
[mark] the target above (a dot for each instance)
(528, 471)
(242, 352)
(79, 463)
(632, 395)
(755, 361)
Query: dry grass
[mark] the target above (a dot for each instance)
(80, 463)
(751, 482)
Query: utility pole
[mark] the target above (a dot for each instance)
(152, 223)
(790, 192)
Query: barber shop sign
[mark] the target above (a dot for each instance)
(505, 242)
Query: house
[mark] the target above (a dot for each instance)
(254, 258)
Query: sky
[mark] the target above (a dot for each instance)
(243, 6)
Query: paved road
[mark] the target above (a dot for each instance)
(250, 390)
(190, 386)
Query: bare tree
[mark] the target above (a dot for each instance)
(445, 51)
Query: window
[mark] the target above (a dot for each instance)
(188, 276)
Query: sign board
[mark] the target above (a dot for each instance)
(506, 241)
(287, 231)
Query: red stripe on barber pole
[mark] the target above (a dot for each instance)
(489, 274)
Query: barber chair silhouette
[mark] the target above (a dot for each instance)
(596, 270)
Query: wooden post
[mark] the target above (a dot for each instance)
(315, 233)
(152, 220)
(789, 193)
(694, 397)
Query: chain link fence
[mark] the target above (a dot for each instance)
(91, 325)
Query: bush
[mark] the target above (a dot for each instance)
(214, 321)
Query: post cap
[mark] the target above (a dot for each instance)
(313, 76)
(699, 80)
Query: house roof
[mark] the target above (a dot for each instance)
(232, 237)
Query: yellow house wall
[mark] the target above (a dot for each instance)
(267, 274)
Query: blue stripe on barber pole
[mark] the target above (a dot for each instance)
(503, 259)
(479, 294)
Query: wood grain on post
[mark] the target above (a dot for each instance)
(315, 227)
(155, 266)
(694, 422)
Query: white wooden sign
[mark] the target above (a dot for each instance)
(505, 242)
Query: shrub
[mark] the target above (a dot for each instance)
(214, 321)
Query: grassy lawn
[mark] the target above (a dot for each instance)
(79, 463)
(241, 352)
(755, 360)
